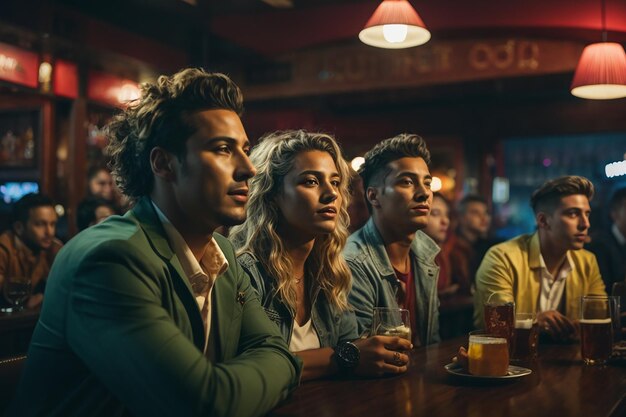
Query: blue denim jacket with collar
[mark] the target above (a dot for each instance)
(331, 325)
(374, 282)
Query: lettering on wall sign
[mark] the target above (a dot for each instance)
(523, 55)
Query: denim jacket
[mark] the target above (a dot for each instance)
(374, 282)
(331, 325)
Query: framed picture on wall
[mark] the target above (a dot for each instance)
(19, 138)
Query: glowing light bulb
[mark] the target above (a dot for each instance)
(45, 71)
(127, 93)
(357, 162)
(436, 184)
(395, 33)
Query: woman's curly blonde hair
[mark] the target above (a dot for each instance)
(273, 158)
(160, 118)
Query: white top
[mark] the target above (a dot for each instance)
(201, 276)
(303, 337)
(551, 288)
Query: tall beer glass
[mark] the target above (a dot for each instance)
(596, 330)
(500, 318)
(488, 354)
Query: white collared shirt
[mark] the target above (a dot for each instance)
(618, 235)
(552, 289)
(201, 275)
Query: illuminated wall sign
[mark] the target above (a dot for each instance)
(615, 169)
(346, 68)
(18, 65)
(111, 90)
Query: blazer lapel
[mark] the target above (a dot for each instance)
(223, 302)
(147, 216)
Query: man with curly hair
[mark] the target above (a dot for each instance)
(150, 314)
(391, 259)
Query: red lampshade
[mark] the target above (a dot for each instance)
(394, 25)
(601, 72)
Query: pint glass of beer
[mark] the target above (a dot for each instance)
(596, 330)
(526, 337)
(391, 322)
(500, 318)
(488, 354)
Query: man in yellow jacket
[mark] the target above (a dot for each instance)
(548, 271)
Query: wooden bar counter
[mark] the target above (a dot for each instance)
(560, 385)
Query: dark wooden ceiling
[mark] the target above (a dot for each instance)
(240, 31)
(253, 26)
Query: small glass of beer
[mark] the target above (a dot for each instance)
(500, 318)
(526, 337)
(596, 329)
(391, 322)
(488, 354)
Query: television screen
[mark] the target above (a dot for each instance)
(10, 192)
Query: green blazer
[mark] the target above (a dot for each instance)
(120, 333)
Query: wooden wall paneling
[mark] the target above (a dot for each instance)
(77, 166)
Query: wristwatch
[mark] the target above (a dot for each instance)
(347, 355)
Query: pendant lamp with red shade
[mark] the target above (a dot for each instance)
(601, 70)
(394, 25)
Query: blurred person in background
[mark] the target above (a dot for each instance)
(100, 183)
(466, 246)
(437, 229)
(357, 210)
(609, 246)
(547, 271)
(291, 245)
(29, 248)
(92, 211)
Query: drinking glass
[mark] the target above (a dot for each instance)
(526, 337)
(16, 291)
(619, 291)
(488, 354)
(596, 329)
(391, 322)
(500, 318)
(614, 306)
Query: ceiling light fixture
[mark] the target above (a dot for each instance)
(601, 70)
(394, 25)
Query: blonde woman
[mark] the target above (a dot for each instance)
(291, 246)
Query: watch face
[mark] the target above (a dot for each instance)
(348, 354)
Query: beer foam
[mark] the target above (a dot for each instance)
(487, 340)
(524, 324)
(595, 321)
